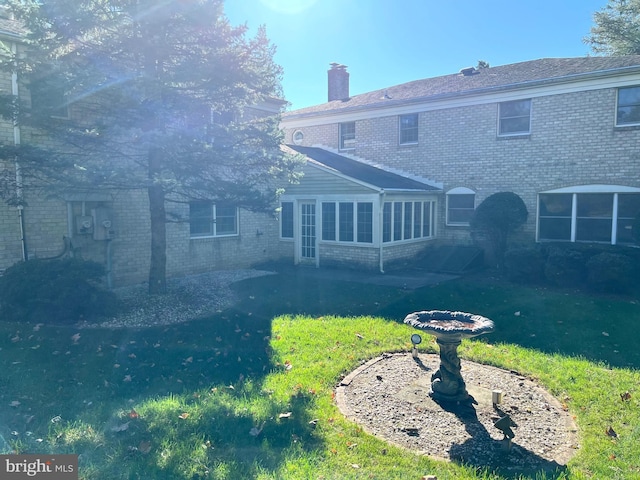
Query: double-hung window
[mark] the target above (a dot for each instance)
(408, 129)
(514, 118)
(460, 206)
(347, 135)
(207, 219)
(628, 108)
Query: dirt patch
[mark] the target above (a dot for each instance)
(389, 397)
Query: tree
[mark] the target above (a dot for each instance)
(617, 29)
(141, 94)
(495, 218)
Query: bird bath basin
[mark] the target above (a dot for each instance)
(449, 328)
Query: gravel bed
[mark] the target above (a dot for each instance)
(188, 298)
(389, 397)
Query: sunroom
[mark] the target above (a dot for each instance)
(348, 213)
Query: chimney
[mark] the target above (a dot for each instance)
(338, 82)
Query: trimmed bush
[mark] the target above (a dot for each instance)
(55, 291)
(524, 265)
(610, 272)
(566, 267)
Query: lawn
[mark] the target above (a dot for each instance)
(247, 393)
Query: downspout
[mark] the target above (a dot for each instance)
(381, 238)
(16, 141)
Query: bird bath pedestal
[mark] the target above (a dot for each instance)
(449, 329)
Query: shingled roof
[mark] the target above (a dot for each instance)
(363, 172)
(10, 27)
(545, 71)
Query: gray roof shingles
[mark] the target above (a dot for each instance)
(361, 171)
(517, 75)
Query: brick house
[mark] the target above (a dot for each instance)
(387, 174)
(563, 134)
(113, 227)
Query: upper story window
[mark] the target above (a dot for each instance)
(628, 108)
(408, 129)
(207, 219)
(348, 136)
(298, 137)
(514, 118)
(589, 213)
(460, 206)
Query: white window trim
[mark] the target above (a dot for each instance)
(213, 220)
(615, 114)
(515, 134)
(341, 146)
(400, 142)
(582, 189)
(432, 213)
(458, 191)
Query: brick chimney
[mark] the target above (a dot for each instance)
(338, 82)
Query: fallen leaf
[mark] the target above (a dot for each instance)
(144, 447)
(255, 431)
(284, 415)
(183, 416)
(120, 428)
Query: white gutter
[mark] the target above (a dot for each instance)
(381, 239)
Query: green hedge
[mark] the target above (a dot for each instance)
(603, 268)
(55, 291)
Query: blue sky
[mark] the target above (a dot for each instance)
(388, 42)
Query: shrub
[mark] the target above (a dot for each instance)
(610, 272)
(524, 265)
(495, 218)
(566, 266)
(55, 291)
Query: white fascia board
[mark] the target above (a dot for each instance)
(454, 100)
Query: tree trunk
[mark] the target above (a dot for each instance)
(158, 266)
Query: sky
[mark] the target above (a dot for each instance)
(389, 42)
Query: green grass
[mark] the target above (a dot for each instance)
(180, 402)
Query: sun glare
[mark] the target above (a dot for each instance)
(289, 7)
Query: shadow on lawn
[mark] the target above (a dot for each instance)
(551, 321)
(77, 388)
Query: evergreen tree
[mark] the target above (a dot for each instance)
(142, 94)
(617, 29)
